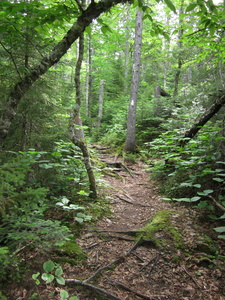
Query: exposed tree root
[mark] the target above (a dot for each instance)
(93, 288)
(133, 203)
(115, 283)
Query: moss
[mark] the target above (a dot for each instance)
(160, 231)
(71, 250)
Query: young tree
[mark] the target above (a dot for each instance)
(130, 144)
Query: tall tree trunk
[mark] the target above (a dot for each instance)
(88, 83)
(218, 102)
(101, 99)
(130, 144)
(180, 59)
(75, 126)
(127, 56)
(93, 11)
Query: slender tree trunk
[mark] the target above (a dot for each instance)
(75, 126)
(93, 11)
(88, 77)
(130, 144)
(219, 101)
(180, 59)
(101, 99)
(127, 56)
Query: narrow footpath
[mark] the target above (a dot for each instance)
(119, 266)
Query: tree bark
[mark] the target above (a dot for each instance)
(130, 144)
(93, 11)
(101, 99)
(180, 59)
(75, 127)
(219, 101)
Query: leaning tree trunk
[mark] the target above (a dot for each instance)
(130, 144)
(219, 101)
(75, 126)
(93, 11)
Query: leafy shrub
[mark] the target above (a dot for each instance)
(194, 173)
(115, 136)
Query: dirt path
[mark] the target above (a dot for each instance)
(146, 272)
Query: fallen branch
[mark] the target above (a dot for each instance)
(115, 283)
(93, 288)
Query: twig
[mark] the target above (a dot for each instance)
(93, 288)
(191, 277)
(149, 262)
(156, 258)
(115, 283)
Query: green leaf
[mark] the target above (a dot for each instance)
(74, 298)
(221, 236)
(47, 277)
(60, 280)
(222, 217)
(170, 5)
(59, 271)
(218, 179)
(64, 295)
(79, 220)
(191, 7)
(48, 266)
(219, 229)
(88, 29)
(205, 192)
(35, 277)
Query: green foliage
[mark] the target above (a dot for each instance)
(115, 136)
(53, 271)
(80, 217)
(194, 174)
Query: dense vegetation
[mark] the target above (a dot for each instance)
(44, 193)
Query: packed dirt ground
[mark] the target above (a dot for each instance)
(118, 265)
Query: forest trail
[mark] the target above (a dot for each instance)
(125, 269)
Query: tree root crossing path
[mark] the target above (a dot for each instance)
(177, 257)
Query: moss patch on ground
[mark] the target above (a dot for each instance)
(161, 232)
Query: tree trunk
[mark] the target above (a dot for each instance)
(219, 101)
(101, 99)
(88, 77)
(75, 126)
(130, 144)
(180, 61)
(93, 11)
(127, 50)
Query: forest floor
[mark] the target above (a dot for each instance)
(184, 265)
